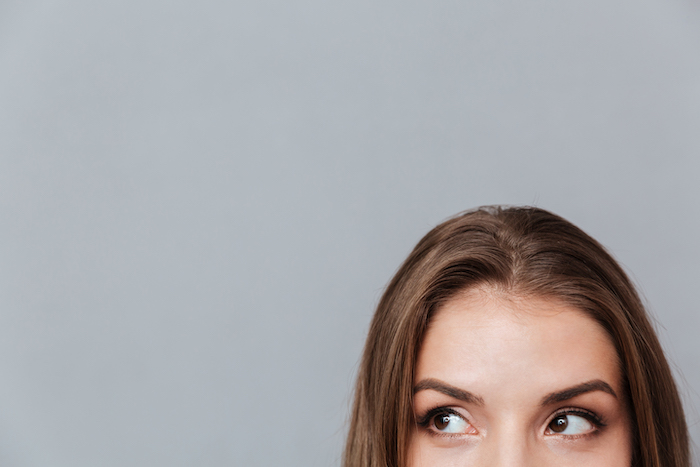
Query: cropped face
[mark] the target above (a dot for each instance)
(517, 382)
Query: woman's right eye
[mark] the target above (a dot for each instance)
(449, 422)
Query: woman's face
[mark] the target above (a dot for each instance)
(503, 381)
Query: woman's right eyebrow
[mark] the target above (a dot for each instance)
(448, 390)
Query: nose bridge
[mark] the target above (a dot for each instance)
(510, 446)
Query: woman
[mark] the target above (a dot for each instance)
(510, 337)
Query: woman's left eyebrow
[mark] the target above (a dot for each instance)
(570, 393)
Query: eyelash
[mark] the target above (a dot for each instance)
(592, 417)
(426, 420)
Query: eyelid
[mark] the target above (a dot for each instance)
(426, 420)
(428, 416)
(589, 415)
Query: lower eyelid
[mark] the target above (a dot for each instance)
(595, 421)
(425, 421)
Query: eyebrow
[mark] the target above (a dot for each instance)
(448, 390)
(552, 398)
(583, 388)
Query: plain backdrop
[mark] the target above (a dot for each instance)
(201, 202)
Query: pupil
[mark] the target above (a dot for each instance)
(441, 421)
(559, 424)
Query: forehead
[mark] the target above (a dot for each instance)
(494, 344)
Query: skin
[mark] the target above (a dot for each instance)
(500, 370)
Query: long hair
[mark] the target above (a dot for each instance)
(528, 252)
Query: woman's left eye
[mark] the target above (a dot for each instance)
(569, 424)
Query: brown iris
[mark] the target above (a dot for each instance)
(559, 424)
(441, 421)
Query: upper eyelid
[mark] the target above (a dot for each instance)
(426, 422)
(597, 421)
(429, 414)
(592, 417)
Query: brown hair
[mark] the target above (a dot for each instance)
(523, 250)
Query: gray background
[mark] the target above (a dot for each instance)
(200, 202)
